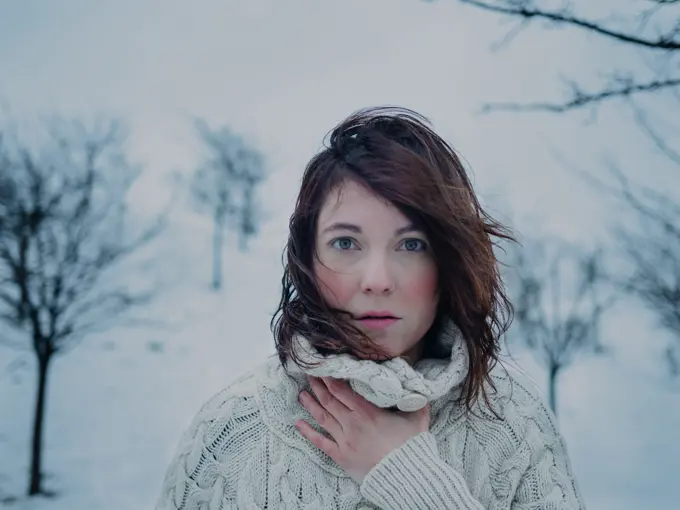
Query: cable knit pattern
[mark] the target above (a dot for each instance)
(385, 384)
(242, 450)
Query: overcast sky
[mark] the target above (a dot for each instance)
(284, 72)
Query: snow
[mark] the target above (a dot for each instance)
(118, 404)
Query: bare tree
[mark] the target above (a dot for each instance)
(651, 31)
(556, 292)
(650, 243)
(225, 187)
(654, 250)
(62, 237)
(655, 28)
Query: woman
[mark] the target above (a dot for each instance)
(387, 392)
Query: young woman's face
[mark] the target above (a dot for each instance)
(373, 263)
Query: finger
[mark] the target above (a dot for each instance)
(322, 416)
(327, 397)
(319, 440)
(344, 393)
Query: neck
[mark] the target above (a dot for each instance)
(413, 355)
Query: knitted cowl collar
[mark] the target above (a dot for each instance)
(392, 383)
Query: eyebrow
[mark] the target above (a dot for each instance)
(357, 229)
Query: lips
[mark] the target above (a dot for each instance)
(377, 315)
(377, 319)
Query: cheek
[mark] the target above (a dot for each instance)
(422, 288)
(336, 288)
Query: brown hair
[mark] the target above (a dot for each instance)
(396, 154)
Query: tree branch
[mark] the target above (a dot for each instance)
(523, 10)
(660, 213)
(653, 134)
(557, 330)
(581, 99)
(59, 233)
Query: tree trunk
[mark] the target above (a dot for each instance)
(218, 231)
(243, 242)
(38, 422)
(552, 387)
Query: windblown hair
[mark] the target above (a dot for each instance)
(396, 154)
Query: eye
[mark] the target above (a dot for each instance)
(343, 243)
(414, 245)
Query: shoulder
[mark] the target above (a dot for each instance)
(511, 421)
(518, 400)
(208, 453)
(513, 410)
(235, 399)
(521, 438)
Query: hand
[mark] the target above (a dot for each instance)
(362, 433)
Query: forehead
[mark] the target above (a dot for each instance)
(356, 203)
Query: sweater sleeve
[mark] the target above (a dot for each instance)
(415, 476)
(204, 469)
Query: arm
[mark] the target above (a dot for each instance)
(538, 474)
(414, 476)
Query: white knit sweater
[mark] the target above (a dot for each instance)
(242, 450)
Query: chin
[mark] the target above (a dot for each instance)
(399, 354)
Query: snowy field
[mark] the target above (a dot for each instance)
(118, 404)
(283, 73)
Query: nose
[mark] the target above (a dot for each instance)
(377, 276)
